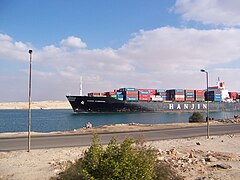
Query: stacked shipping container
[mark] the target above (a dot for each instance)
(175, 95)
(178, 95)
(129, 94)
(119, 96)
(151, 91)
(96, 94)
(144, 95)
(199, 95)
(217, 96)
(162, 94)
(233, 95)
(115, 94)
(213, 96)
(111, 94)
(189, 95)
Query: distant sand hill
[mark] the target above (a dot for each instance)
(36, 105)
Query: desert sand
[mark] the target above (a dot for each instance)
(36, 105)
(214, 158)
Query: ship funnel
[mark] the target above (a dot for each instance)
(220, 84)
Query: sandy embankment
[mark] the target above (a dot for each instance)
(111, 128)
(191, 157)
(36, 105)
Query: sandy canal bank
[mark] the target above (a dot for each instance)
(36, 105)
(199, 157)
(116, 128)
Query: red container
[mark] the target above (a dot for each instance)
(131, 93)
(141, 89)
(144, 95)
(197, 96)
(102, 94)
(110, 93)
(93, 94)
(189, 91)
(162, 93)
(179, 99)
(152, 91)
(179, 93)
(189, 99)
(199, 91)
(144, 98)
(233, 95)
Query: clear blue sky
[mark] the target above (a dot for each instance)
(113, 44)
(99, 23)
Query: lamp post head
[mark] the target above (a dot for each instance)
(202, 70)
(30, 51)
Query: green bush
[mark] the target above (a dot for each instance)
(196, 117)
(119, 161)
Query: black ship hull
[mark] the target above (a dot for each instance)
(84, 104)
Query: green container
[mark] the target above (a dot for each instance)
(200, 99)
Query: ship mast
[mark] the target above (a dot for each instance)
(81, 87)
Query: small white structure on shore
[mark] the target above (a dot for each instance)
(89, 125)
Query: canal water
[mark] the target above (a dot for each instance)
(63, 120)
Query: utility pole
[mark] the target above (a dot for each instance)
(29, 99)
(202, 70)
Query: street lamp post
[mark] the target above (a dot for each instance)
(29, 98)
(202, 70)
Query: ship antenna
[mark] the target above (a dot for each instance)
(81, 86)
(218, 82)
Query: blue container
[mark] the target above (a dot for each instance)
(129, 89)
(144, 92)
(163, 96)
(120, 96)
(179, 90)
(217, 97)
(118, 93)
(131, 99)
(189, 93)
(161, 90)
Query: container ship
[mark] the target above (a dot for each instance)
(217, 98)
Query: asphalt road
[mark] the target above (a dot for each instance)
(20, 143)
